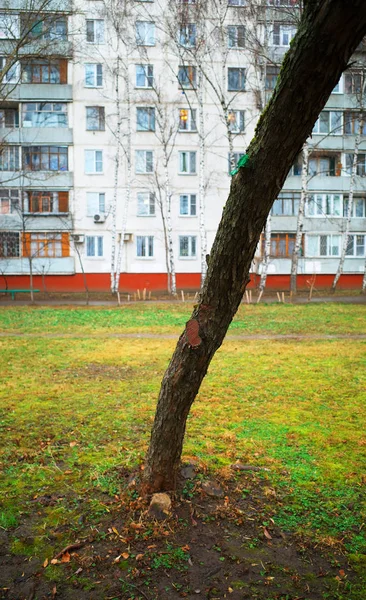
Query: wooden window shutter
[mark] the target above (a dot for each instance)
(63, 70)
(26, 244)
(63, 202)
(65, 244)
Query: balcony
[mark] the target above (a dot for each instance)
(37, 135)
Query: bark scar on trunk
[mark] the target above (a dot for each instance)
(192, 333)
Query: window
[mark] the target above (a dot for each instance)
(144, 76)
(187, 246)
(93, 161)
(94, 246)
(40, 201)
(45, 158)
(236, 36)
(43, 71)
(323, 245)
(9, 158)
(145, 33)
(145, 119)
(361, 164)
(323, 165)
(354, 82)
(9, 244)
(9, 26)
(9, 117)
(187, 35)
(321, 205)
(286, 204)
(188, 205)
(145, 246)
(144, 161)
(296, 167)
(358, 208)
(10, 71)
(145, 204)
(95, 203)
(356, 245)
(187, 77)
(93, 75)
(282, 35)
(236, 79)
(282, 245)
(282, 2)
(272, 73)
(44, 28)
(44, 114)
(237, 2)
(95, 118)
(46, 244)
(187, 119)
(233, 159)
(329, 121)
(95, 31)
(9, 201)
(187, 163)
(338, 89)
(352, 123)
(236, 120)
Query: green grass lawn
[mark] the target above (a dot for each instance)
(170, 318)
(71, 411)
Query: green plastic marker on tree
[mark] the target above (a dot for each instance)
(242, 162)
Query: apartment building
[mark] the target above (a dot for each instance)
(120, 127)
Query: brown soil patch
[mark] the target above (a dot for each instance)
(210, 548)
(102, 371)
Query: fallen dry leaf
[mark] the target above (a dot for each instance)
(65, 558)
(139, 557)
(125, 555)
(266, 533)
(45, 563)
(54, 561)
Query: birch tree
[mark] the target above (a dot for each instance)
(307, 79)
(300, 218)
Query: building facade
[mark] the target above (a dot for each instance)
(120, 124)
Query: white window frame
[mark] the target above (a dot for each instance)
(188, 159)
(95, 243)
(334, 126)
(37, 113)
(148, 74)
(145, 247)
(191, 202)
(187, 35)
(191, 241)
(145, 204)
(236, 34)
(93, 162)
(339, 88)
(98, 118)
(95, 73)
(237, 3)
(236, 120)
(96, 31)
(356, 200)
(361, 164)
(149, 113)
(144, 162)
(330, 245)
(188, 118)
(285, 34)
(354, 240)
(95, 203)
(189, 81)
(9, 198)
(9, 26)
(12, 158)
(13, 74)
(324, 205)
(242, 73)
(145, 33)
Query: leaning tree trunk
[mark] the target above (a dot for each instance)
(352, 184)
(300, 218)
(306, 80)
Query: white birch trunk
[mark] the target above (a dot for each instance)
(116, 177)
(350, 206)
(169, 230)
(121, 245)
(364, 280)
(201, 185)
(266, 257)
(300, 218)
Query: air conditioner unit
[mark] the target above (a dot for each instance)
(99, 218)
(127, 237)
(78, 238)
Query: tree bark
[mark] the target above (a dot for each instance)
(266, 256)
(328, 34)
